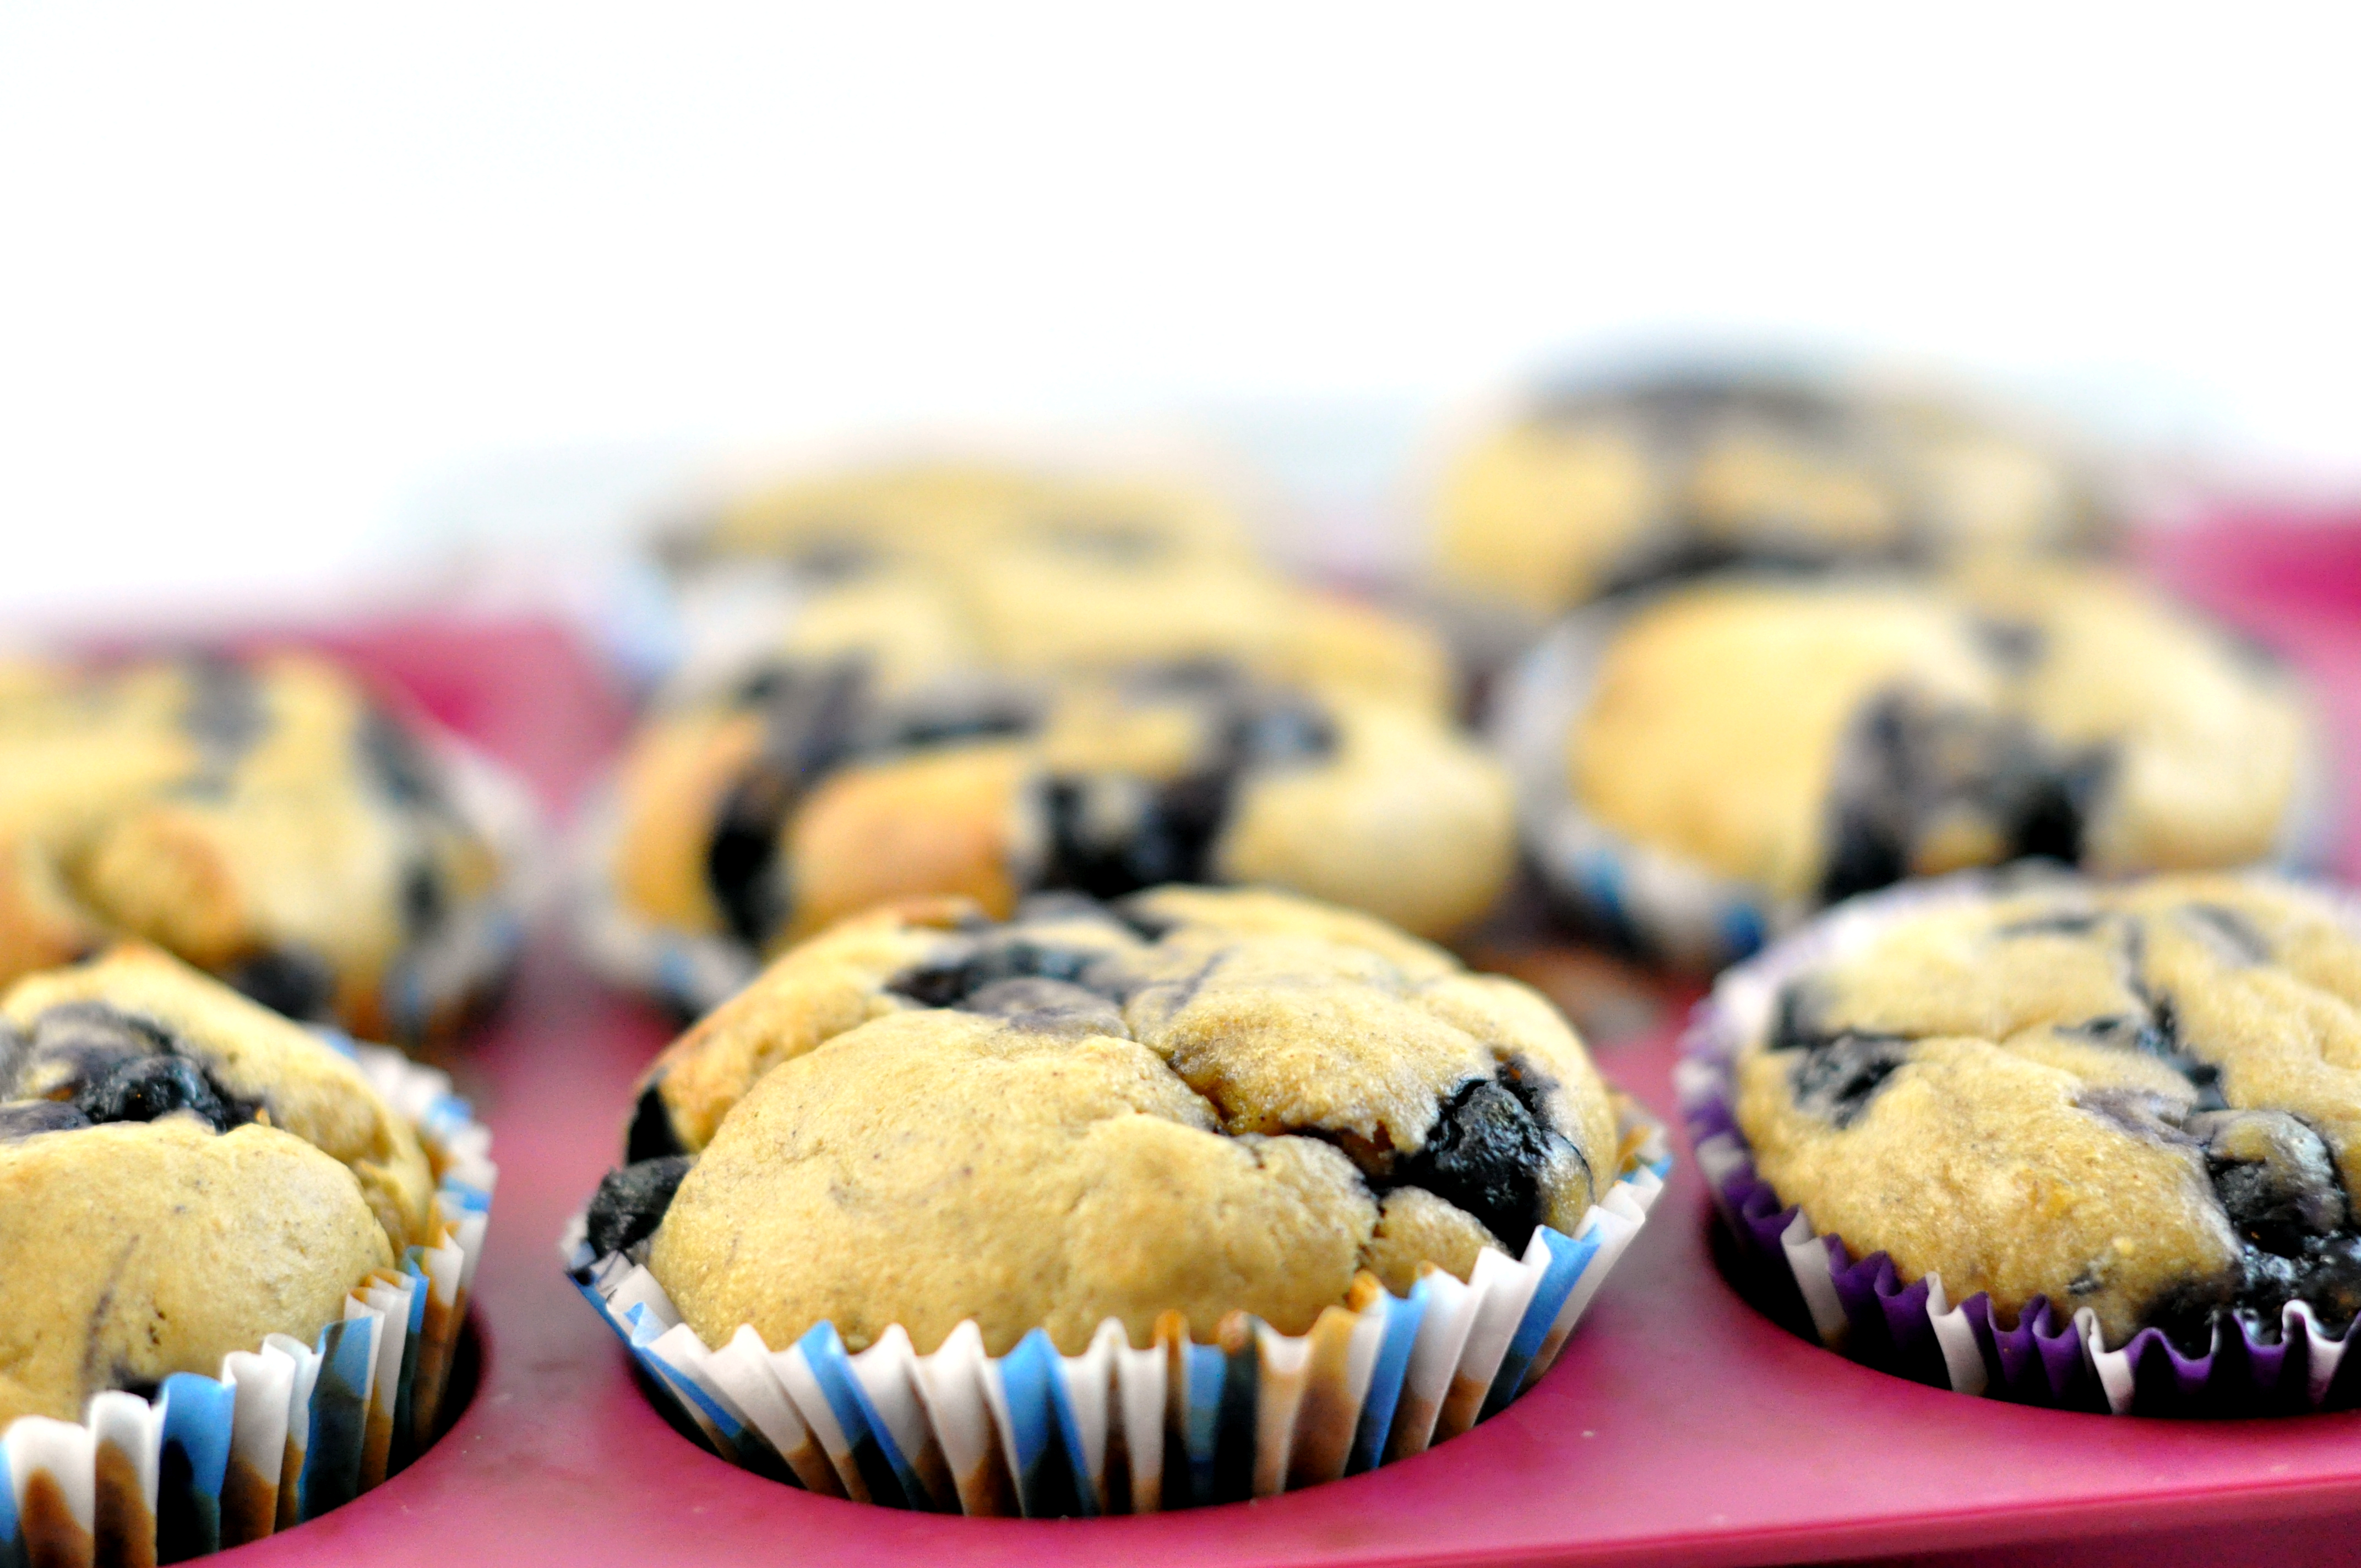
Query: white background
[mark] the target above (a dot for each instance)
(322, 294)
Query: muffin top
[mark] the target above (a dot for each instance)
(1593, 491)
(1811, 739)
(264, 819)
(840, 523)
(182, 1173)
(2141, 1098)
(810, 791)
(1189, 1100)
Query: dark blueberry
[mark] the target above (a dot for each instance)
(941, 725)
(143, 1090)
(949, 981)
(2229, 932)
(1271, 727)
(224, 715)
(811, 724)
(2139, 1113)
(650, 1135)
(1837, 1079)
(1909, 763)
(833, 560)
(1139, 923)
(2273, 1175)
(632, 1202)
(1796, 1022)
(91, 1039)
(288, 981)
(2015, 646)
(423, 905)
(1681, 555)
(26, 1117)
(2324, 1272)
(1486, 1153)
(397, 760)
(1109, 836)
(1046, 1007)
(2070, 925)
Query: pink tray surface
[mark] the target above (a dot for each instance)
(1679, 1427)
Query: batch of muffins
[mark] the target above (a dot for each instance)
(1081, 1108)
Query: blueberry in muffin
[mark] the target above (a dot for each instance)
(182, 1172)
(1187, 1099)
(267, 820)
(1724, 757)
(1597, 489)
(2139, 1097)
(811, 790)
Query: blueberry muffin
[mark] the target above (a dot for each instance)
(931, 569)
(1729, 754)
(265, 820)
(2139, 1097)
(833, 524)
(1595, 490)
(812, 790)
(182, 1173)
(1189, 1101)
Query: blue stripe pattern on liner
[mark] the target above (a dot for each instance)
(606, 1314)
(889, 1476)
(1204, 1368)
(405, 1405)
(474, 1199)
(337, 1040)
(1568, 1258)
(719, 1427)
(12, 1549)
(1045, 1481)
(332, 1463)
(1069, 1432)
(198, 1416)
(1403, 1314)
(1233, 1446)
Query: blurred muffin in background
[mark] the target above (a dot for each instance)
(1594, 489)
(267, 820)
(1711, 760)
(746, 816)
(1023, 571)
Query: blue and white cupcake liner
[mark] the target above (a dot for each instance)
(1666, 906)
(1116, 1430)
(1859, 1306)
(471, 953)
(287, 1431)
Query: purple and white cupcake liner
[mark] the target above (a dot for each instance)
(1822, 1288)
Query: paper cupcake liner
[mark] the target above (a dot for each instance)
(694, 974)
(287, 1431)
(1664, 906)
(1175, 1424)
(1819, 1286)
(472, 953)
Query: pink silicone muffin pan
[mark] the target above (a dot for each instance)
(1680, 1427)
